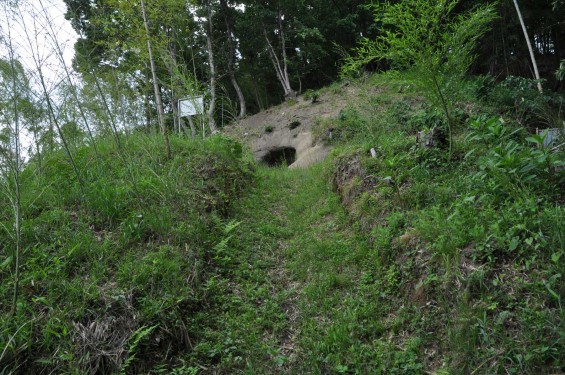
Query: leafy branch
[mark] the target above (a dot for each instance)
(428, 39)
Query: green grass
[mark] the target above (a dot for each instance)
(471, 246)
(303, 295)
(408, 263)
(121, 266)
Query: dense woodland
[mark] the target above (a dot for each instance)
(256, 53)
(430, 240)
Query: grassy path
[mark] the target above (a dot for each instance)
(299, 300)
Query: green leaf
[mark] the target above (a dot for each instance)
(342, 369)
(6, 263)
(514, 244)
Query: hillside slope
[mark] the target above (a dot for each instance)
(462, 268)
(117, 268)
(391, 256)
(290, 125)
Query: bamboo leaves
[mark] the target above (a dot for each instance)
(427, 38)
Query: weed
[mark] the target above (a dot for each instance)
(459, 236)
(312, 95)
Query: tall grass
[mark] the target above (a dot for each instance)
(105, 263)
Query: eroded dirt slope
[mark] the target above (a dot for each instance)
(289, 125)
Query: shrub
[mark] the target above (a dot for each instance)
(312, 96)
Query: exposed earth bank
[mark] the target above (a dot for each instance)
(286, 131)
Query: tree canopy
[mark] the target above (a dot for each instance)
(264, 51)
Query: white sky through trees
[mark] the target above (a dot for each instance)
(27, 24)
(37, 30)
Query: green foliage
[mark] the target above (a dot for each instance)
(432, 41)
(427, 35)
(348, 125)
(111, 274)
(519, 98)
(510, 166)
(472, 243)
(408, 262)
(137, 336)
(111, 35)
(312, 95)
(560, 73)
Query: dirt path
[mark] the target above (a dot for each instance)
(294, 268)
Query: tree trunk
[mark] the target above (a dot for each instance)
(159, 102)
(50, 106)
(209, 36)
(231, 64)
(291, 93)
(147, 96)
(16, 167)
(532, 56)
(72, 86)
(280, 68)
(174, 80)
(192, 127)
(257, 97)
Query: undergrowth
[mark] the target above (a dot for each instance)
(419, 259)
(475, 243)
(115, 275)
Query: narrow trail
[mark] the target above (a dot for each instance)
(295, 276)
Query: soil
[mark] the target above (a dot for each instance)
(289, 125)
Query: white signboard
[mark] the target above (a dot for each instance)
(191, 106)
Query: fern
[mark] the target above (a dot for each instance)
(134, 341)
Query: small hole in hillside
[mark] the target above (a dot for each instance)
(294, 124)
(280, 156)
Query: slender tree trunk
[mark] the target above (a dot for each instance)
(160, 111)
(532, 56)
(447, 112)
(69, 79)
(281, 67)
(192, 127)
(182, 126)
(37, 141)
(147, 96)
(231, 57)
(15, 166)
(114, 129)
(43, 84)
(51, 133)
(209, 36)
(291, 92)
(176, 82)
(257, 97)
(60, 132)
(239, 92)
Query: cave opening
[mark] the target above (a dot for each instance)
(280, 156)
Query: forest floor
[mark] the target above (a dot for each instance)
(295, 289)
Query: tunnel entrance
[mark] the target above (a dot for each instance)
(280, 156)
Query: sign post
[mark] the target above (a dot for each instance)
(192, 106)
